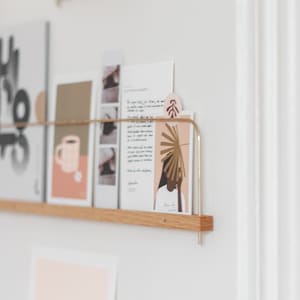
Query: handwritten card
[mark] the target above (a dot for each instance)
(144, 90)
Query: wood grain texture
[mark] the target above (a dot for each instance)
(152, 219)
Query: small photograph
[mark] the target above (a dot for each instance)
(107, 166)
(110, 81)
(109, 131)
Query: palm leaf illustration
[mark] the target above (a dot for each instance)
(171, 151)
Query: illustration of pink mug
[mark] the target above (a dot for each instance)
(67, 154)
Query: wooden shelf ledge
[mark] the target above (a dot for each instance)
(152, 219)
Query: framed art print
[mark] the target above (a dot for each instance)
(23, 83)
(70, 153)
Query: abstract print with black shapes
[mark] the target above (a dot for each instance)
(16, 103)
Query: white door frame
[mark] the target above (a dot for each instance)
(268, 225)
(248, 151)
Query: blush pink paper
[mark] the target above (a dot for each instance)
(68, 281)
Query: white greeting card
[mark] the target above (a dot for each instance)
(144, 90)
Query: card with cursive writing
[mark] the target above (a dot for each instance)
(144, 92)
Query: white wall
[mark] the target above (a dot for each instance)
(200, 36)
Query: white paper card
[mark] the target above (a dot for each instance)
(144, 90)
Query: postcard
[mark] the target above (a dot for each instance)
(70, 154)
(107, 146)
(144, 92)
(173, 171)
(70, 275)
(23, 83)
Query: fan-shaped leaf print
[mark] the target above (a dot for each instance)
(171, 151)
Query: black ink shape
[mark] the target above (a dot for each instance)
(108, 128)
(9, 76)
(8, 89)
(6, 139)
(10, 70)
(21, 99)
(111, 80)
(172, 109)
(19, 165)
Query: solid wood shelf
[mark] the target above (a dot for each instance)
(152, 219)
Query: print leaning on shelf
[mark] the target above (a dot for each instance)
(173, 166)
(71, 146)
(174, 151)
(22, 100)
(106, 176)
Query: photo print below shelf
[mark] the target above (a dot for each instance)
(58, 274)
(71, 146)
(23, 76)
(106, 182)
